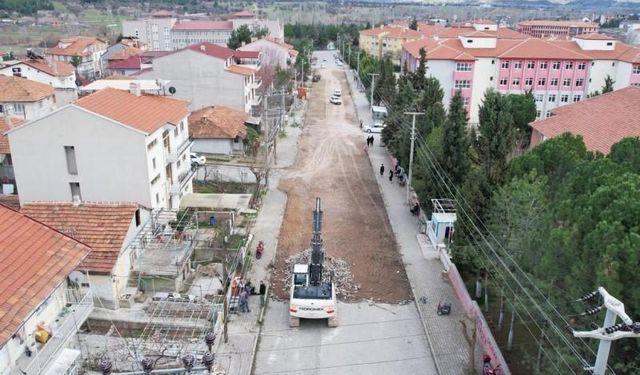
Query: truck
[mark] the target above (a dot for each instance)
(313, 294)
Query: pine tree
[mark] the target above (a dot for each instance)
(608, 84)
(419, 77)
(455, 143)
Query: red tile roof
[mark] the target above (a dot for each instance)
(211, 49)
(558, 23)
(77, 47)
(133, 62)
(7, 124)
(593, 36)
(54, 68)
(535, 48)
(218, 123)
(244, 13)
(102, 226)
(34, 260)
(18, 89)
(246, 54)
(621, 51)
(146, 113)
(602, 120)
(203, 25)
(241, 69)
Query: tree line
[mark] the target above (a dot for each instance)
(25, 7)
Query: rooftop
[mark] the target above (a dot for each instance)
(146, 113)
(246, 54)
(558, 23)
(593, 36)
(7, 124)
(132, 62)
(10, 200)
(218, 122)
(241, 69)
(123, 83)
(203, 25)
(102, 226)
(18, 89)
(34, 260)
(211, 49)
(245, 14)
(602, 120)
(53, 68)
(77, 46)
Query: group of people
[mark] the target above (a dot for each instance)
(370, 140)
(243, 289)
(397, 171)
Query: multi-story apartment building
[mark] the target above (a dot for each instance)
(110, 146)
(44, 300)
(154, 32)
(205, 74)
(387, 40)
(57, 74)
(557, 72)
(83, 51)
(246, 17)
(25, 98)
(190, 32)
(557, 29)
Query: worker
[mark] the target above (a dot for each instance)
(382, 169)
(263, 291)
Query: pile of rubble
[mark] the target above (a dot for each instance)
(338, 269)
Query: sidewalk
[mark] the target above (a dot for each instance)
(236, 356)
(424, 270)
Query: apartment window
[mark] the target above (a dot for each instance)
(515, 82)
(503, 81)
(504, 65)
(543, 65)
(137, 216)
(75, 190)
(542, 81)
(152, 144)
(552, 98)
(556, 65)
(517, 65)
(155, 179)
(568, 65)
(182, 126)
(609, 44)
(539, 97)
(175, 133)
(577, 98)
(153, 162)
(531, 65)
(18, 108)
(538, 113)
(564, 98)
(528, 81)
(463, 67)
(582, 66)
(554, 82)
(579, 82)
(157, 198)
(566, 82)
(463, 84)
(636, 69)
(466, 101)
(70, 154)
(548, 114)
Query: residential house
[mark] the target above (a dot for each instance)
(557, 29)
(557, 72)
(601, 121)
(127, 67)
(108, 228)
(186, 33)
(110, 146)
(21, 97)
(57, 74)
(274, 52)
(154, 32)
(7, 178)
(118, 52)
(205, 74)
(387, 40)
(218, 130)
(83, 52)
(42, 304)
(146, 86)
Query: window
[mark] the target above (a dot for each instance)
(566, 82)
(528, 81)
(463, 84)
(157, 198)
(463, 67)
(503, 81)
(582, 66)
(576, 98)
(70, 154)
(175, 133)
(516, 81)
(554, 82)
(538, 113)
(138, 221)
(549, 114)
(556, 65)
(155, 179)
(636, 69)
(504, 65)
(568, 65)
(543, 65)
(469, 40)
(466, 101)
(75, 190)
(153, 162)
(609, 44)
(517, 65)
(531, 65)
(542, 81)
(182, 126)
(579, 82)
(552, 98)
(539, 97)
(18, 108)
(152, 144)
(564, 98)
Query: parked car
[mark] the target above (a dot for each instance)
(337, 92)
(373, 128)
(338, 62)
(198, 160)
(335, 100)
(323, 65)
(316, 77)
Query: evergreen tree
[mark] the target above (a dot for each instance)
(414, 24)
(419, 77)
(608, 84)
(386, 84)
(239, 36)
(523, 109)
(455, 142)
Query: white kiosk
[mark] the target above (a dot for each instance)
(440, 227)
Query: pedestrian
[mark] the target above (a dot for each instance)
(263, 291)
(360, 124)
(390, 175)
(244, 303)
(372, 139)
(381, 169)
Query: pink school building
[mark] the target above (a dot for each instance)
(557, 72)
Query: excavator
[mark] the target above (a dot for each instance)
(313, 294)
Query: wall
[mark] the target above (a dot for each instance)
(484, 69)
(33, 74)
(272, 54)
(213, 146)
(104, 291)
(598, 71)
(110, 158)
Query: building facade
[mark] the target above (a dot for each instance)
(187, 33)
(24, 98)
(57, 74)
(387, 40)
(84, 51)
(154, 32)
(557, 29)
(110, 146)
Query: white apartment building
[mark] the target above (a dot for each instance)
(186, 33)
(274, 52)
(24, 98)
(155, 32)
(88, 50)
(57, 74)
(41, 309)
(110, 146)
(205, 74)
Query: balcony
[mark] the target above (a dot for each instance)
(172, 155)
(79, 305)
(183, 180)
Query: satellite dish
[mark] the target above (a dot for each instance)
(172, 90)
(77, 277)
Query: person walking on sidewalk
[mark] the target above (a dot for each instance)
(243, 301)
(262, 291)
(381, 169)
(391, 176)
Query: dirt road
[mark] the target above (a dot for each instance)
(332, 165)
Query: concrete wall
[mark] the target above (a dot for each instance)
(484, 70)
(33, 74)
(111, 159)
(272, 54)
(213, 146)
(31, 110)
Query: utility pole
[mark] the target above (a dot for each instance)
(610, 331)
(358, 67)
(373, 85)
(349, 55)
(413, 139)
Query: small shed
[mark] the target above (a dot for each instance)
(218, 130)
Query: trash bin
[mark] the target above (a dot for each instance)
(212, 220)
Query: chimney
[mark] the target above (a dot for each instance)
(134, 88)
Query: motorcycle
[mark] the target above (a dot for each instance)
(259, 249)
(487, 367)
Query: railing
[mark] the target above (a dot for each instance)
(183, 179)
(71, 317)
(171, 156)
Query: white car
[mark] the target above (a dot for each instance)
(374, 128)
(335, 100)
(323, 65)
(337, 92)
(198, 160)
(338, 62)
